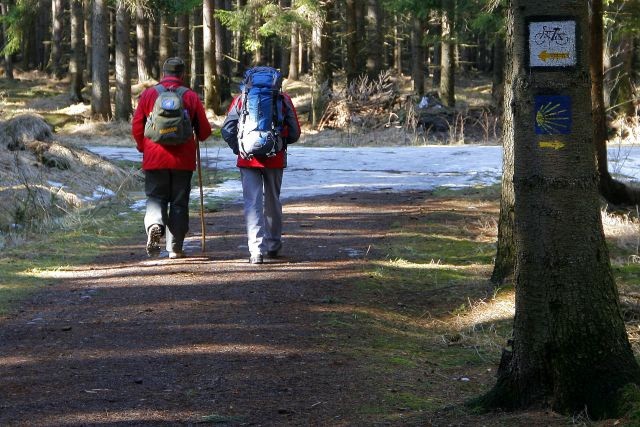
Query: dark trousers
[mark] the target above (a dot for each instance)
(167, 193)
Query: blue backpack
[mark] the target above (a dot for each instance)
(261, 115)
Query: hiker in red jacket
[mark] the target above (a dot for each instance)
(262, 179)
(168, 168)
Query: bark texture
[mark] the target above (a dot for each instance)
(211, 82)
(447, 57)
(142, 47)
(76, 59)
(417, 55)
(100, 101)
(123, 105)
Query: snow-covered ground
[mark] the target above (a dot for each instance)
(322, 171)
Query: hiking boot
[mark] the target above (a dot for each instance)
(256, 259)
(178, 253)
(272, 254)
(153, 240)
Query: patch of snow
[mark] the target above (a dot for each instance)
(314, 171)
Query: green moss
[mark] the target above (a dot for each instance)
(627, 275)
(58, 120)
(491, 191)
(412, 401)
(629, 404)
(402, 361)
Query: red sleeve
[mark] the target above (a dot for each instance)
(145, 104)
(202, 127)
(291, 129)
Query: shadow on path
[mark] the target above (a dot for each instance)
(209, 338)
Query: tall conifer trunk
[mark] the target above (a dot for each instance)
(100, 99)
(123, 105)
(447, 55)
(76, 62)
(569, 346)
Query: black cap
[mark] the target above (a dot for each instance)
(173, 65)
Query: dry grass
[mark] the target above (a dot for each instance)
(623, 230)
(43, 179)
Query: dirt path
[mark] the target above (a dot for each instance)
(133, 341)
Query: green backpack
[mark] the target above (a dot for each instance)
(169, 122)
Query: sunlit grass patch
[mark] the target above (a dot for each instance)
(29, 266)
(490, 192)
(401, 401)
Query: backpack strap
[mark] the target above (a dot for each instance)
(181, 90)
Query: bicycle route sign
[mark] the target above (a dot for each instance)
(552, 44)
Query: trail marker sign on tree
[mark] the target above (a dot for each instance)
(552, 44)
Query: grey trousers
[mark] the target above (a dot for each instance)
(262, 208)
(167, 193)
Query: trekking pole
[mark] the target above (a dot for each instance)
(202, 225)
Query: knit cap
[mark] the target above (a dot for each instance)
(173, 65)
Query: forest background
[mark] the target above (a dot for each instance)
(430, 71)
(341, 48)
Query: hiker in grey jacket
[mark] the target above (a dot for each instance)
(261, 182)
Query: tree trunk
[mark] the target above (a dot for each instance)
(223, 67)
(112, 34)
(505, 253)
(165, 47)
(183, 50)
(123, 67)
(197, 66)
(142, 47)
(622, 101)
(100, 102)
(57, 25)
(43, 36)
(612, 190)
(352, 41)
(304, 52)
(294, 60)
(285, 54)
(570, 346)
(447, 59)
(397, 47)
(8, 62)
(87, 5)
(29, 44)
(437, 59)
(76, 62)
(417, 56)
(153, 61)
(497, 74)
(211, 82)
(321, 63)
(374, 38)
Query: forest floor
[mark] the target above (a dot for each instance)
(320, 336)
(379, 312)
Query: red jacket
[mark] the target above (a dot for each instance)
(290, 134)
(157, 156)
